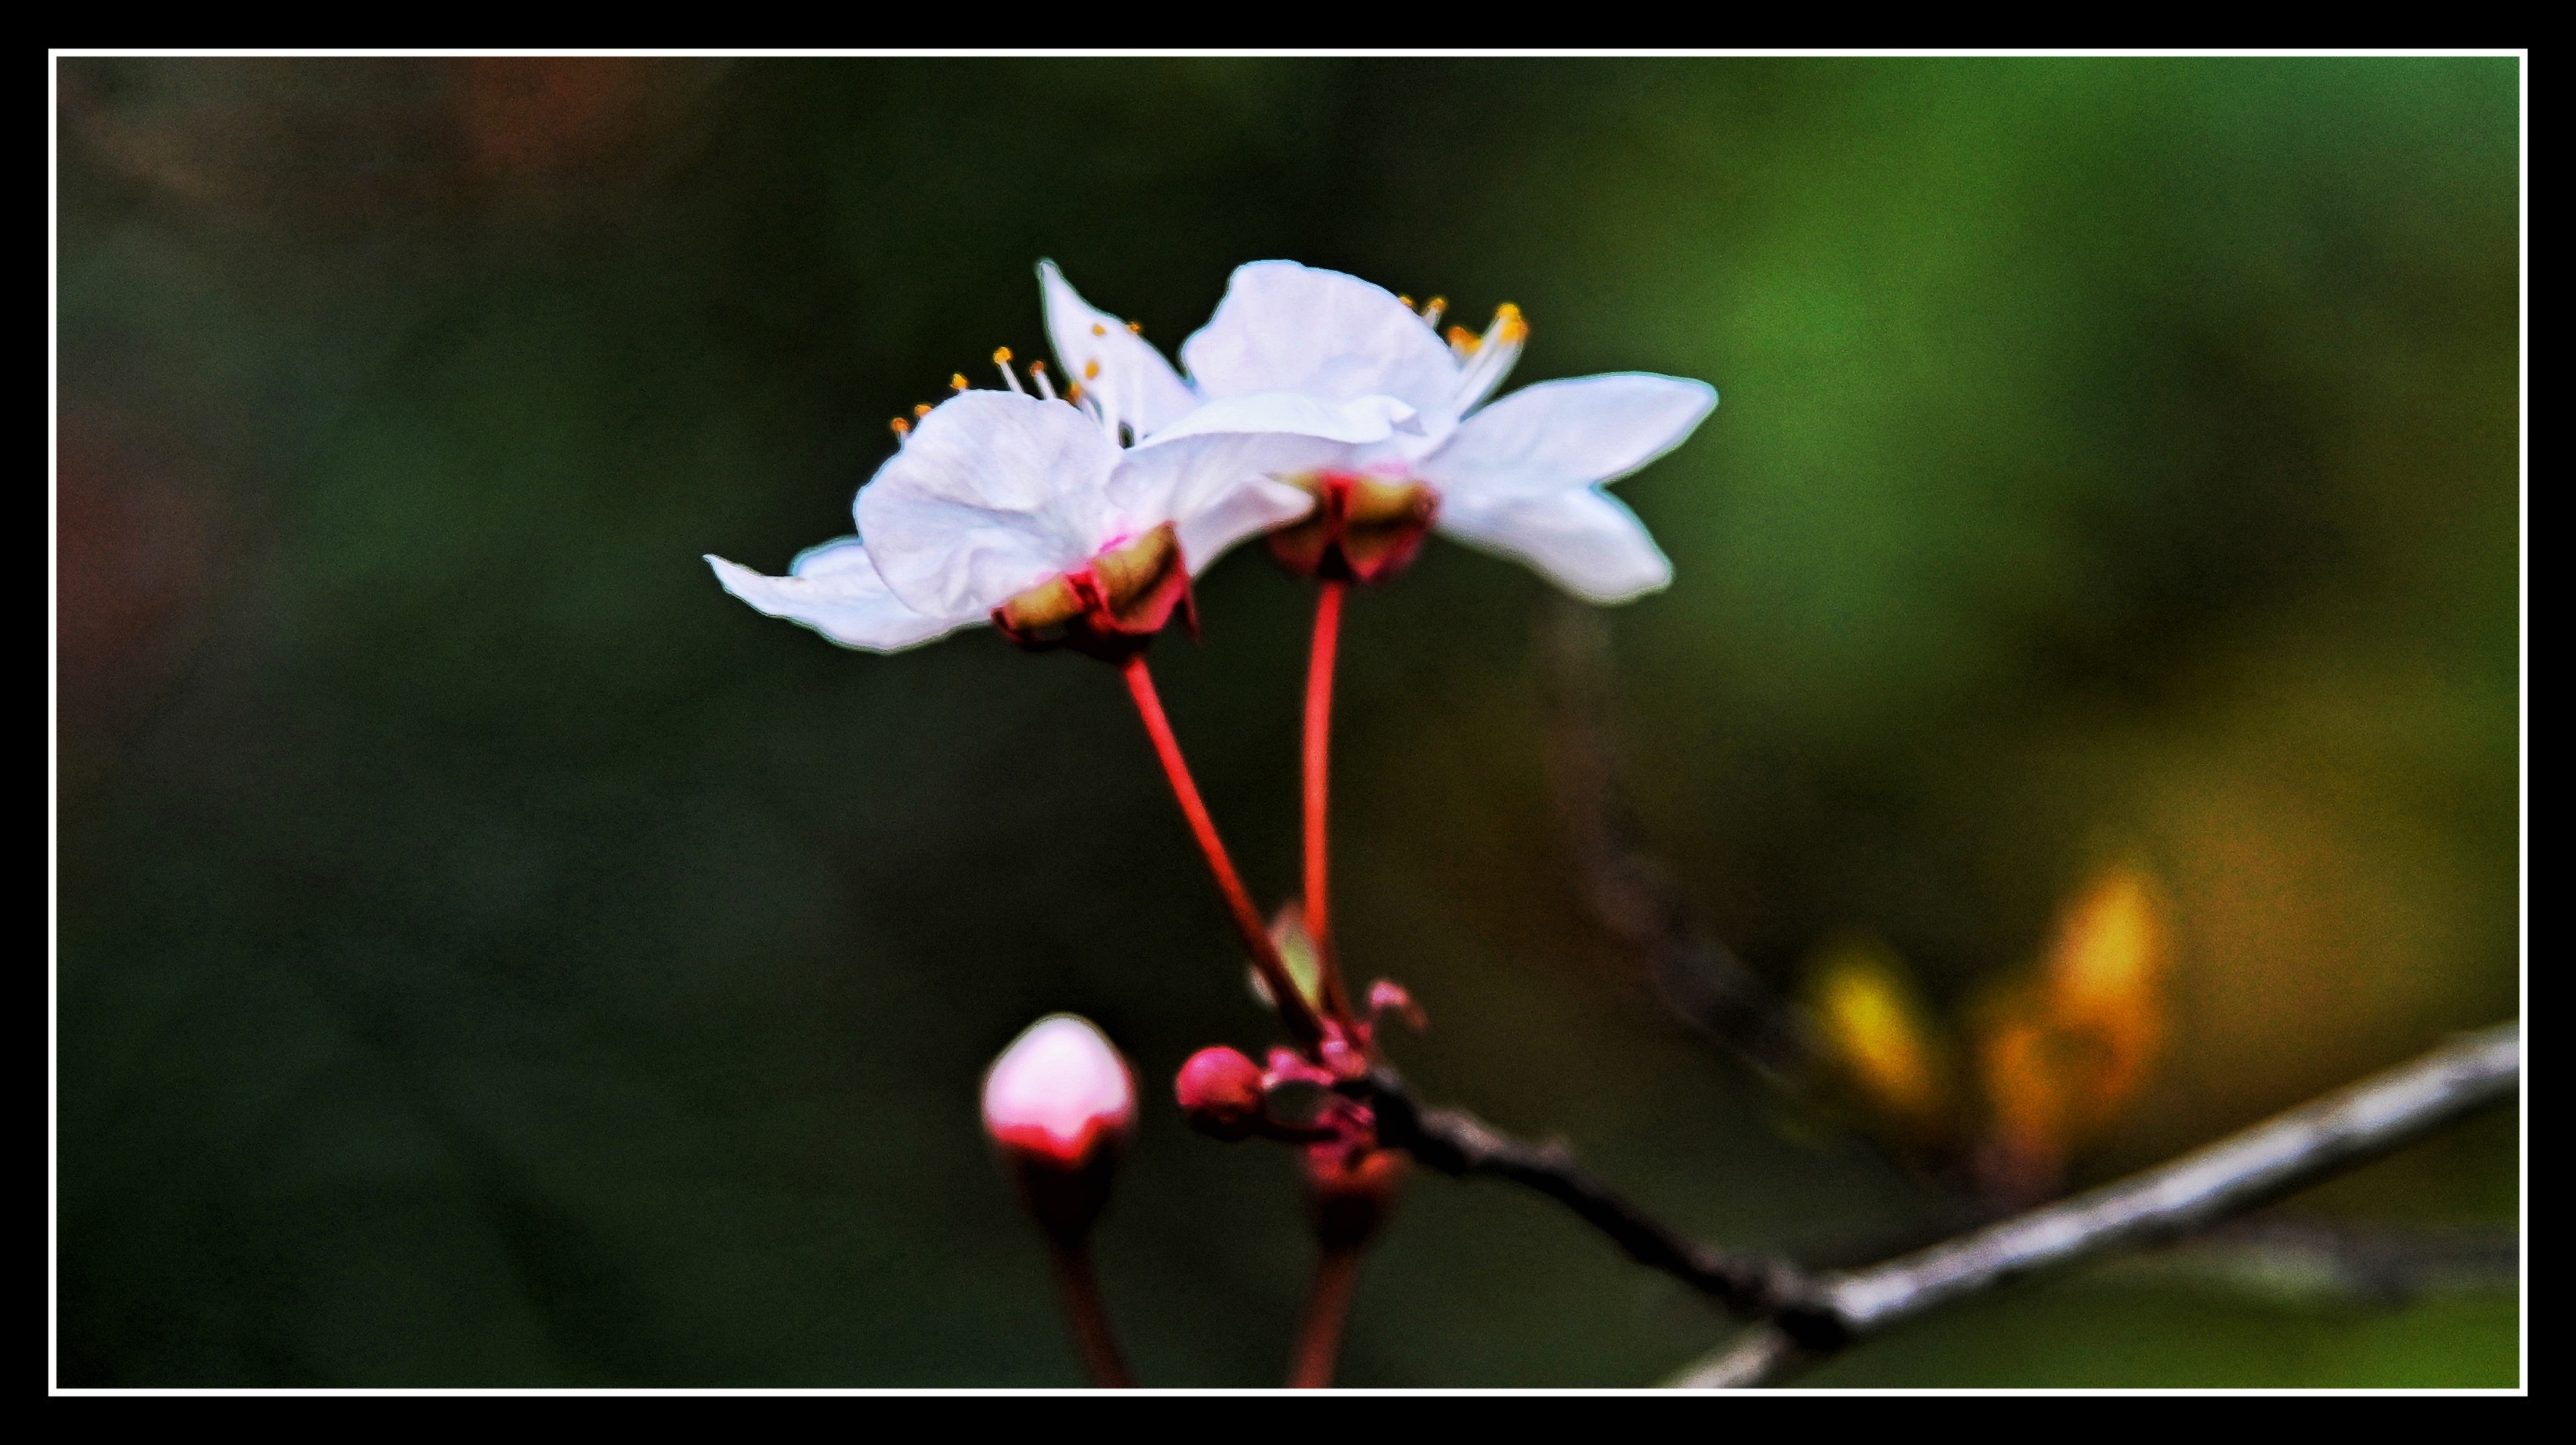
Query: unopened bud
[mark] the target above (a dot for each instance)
(1060, 1105)
(1351, 1193)
(1220, 1093)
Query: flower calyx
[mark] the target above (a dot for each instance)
(1109, 608)
(1363, 529)
(1351, 1190)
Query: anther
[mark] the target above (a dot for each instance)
(901, 427)
(1431, 312)
(921, 410)
(1099, 330)
(1407, 302)
(1135, 328)
(1002, 360)
(957, 381)
(1038, 374)
(1463, 341)
(1091, 369)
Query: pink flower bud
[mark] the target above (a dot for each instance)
(1220, 1093)
(1061, 1106)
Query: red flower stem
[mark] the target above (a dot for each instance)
(1293, 1010)
(1319, 1329)
(1319, 755)
(1090, 1316)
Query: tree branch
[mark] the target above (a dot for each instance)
(2289, 1151)
(1807, 1315)
(1459, 1144)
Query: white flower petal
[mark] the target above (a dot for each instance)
(1584, 541)
(1216, 489)
(835, 590)
(1132, 382)
(993, 493)
(1358, 421)
(1564, 434)
(1286, 327)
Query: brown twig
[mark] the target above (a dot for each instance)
(1459, 1144)
(1633, 896)
(2286, 1152)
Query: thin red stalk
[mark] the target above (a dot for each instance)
(1293, 1010)
(1090, 1316)
(1319, 755)
(1319, 1329)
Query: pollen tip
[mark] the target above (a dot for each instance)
(1091, 370)
(957, 381)
(1136, 328)
(1037, 366)
(922, 409)
(1073, 392)
(1099, 330)
(1463, 341)
(901, 427)
(1406, 301)
(1001, 353)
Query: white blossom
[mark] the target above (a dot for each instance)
(1294, 349)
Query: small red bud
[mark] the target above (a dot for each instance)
(1220, 1092)
(1060, 1105)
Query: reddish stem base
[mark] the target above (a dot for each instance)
(1319, 1329)
(1090, 1316)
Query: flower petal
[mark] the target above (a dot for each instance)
(1217, 489)
(992, 494)
(1132, 382)
(1584, 541)
(835, 590)
(1358, 421)
(1286, 327)
(1563, 434)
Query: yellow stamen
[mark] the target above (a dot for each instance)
(1431, 313)
(1099, 330)
(1001, 355)
(1091, 370)
(1507, 321)
(957, 381)
(902, 428)
(1407, 300)
(1136, 328)
(1463, 341)
(921, 410)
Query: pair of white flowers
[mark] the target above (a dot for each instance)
(1301, 375)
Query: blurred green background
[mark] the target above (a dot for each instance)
(490, 955)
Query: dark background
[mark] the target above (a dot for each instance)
(490, 955)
